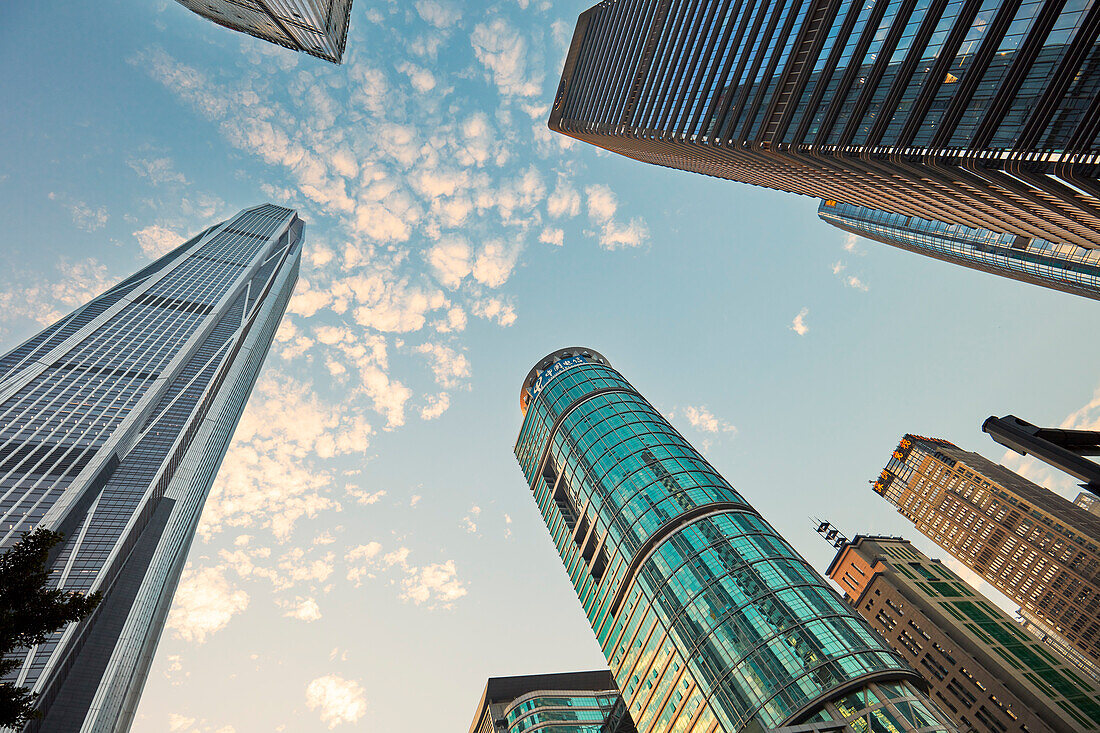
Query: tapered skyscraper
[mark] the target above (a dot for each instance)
(709, 620)
(316, 27)
(113, 423)
(984, 113)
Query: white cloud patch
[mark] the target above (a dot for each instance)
(798, 325)
(613, 234)
(436, 585)
(303, 609)
(204, 604)
(158, 170)
(451, 368)
(703, 419)
(156, 240)
(502, 50)
(336, 700)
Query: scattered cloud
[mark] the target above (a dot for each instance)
(704, 420)
(204, 604)
(613, 234)
(156, 240)
(798, 325)
(436, 585)
(336, 700)
(469, 522)
(157, 170)
(502, 50)
(303, 609)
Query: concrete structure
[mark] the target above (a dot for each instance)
(984, 114)
(113, 423)
(977, 661)
(316, 27)
(709, 620)
(1037, 548)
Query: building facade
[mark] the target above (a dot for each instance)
(316, 27)
(1046, 634)
(979, 664)
(1064, 267)
(1032, 545)
(113, 423)
(569, 702)
(709, 620)
(983, 113)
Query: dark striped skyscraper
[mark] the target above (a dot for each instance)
(316, 27)
(709, 620)
(113, 423)
(1064, 267)
(984, 113)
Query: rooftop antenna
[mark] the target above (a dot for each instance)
(831, 534)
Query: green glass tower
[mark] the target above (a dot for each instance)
(710, 621)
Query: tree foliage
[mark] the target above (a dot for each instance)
(29, 612)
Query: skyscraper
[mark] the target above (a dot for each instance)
(1032, 545)
(316, 27)
(1064, 267)
(113, 423)
(709, 620)
(569, 702)
(976, 112)
(978, 662)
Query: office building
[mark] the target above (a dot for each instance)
(979, 664)
(1088, 501)
(1064, 267)
(316, 27)
(569, 702)
(113, 423)
(1032, 545)
(983, 113)
(709, 620)
(1046, 634)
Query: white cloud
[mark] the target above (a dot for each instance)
(365, 497)
(850, 243)
(88, 218)
(450, 367)
(157, 170)
(495, 309)
(495, 262)
(851, 281)
(612, 234)
(205, 602)
(503, 52)
(798, 325)
(156, 240)
(336, 700)
(182, 724)
(436, 585)
(303, 609)
(436, 405)
(469, 522)
(451, 260)
(704, 420)
(564, 201)
(552, 235)
(421, 79)
(441, 15)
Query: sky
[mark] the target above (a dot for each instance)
(370, 553)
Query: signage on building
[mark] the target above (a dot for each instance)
(554, 370)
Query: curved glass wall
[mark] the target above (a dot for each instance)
(561, 712)
(708, 618)
(1064, 267)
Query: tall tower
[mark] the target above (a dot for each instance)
(978, 662)
(316, 27)
(113, 423)
(1064, 267)
(978, 112)
(709, 620)
(1037, 548)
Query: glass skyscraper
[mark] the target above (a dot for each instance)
(984, 113)
(1064, 267)
(113, 423)
(709, 620)
(316, 27)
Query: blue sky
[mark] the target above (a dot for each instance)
(370, 553)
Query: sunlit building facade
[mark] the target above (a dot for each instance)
(1032, 545)
(1064, 267)
(980, 665)
(316, 27)
(709, 620)
(569, 702)
(113, 423)
(975, 112)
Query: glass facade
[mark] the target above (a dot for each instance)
(708, 618)
(316, 27)
(1064, 267)
(569, 702)
(981, 113)
(113, 422)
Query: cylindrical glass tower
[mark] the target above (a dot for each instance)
(709, 620)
